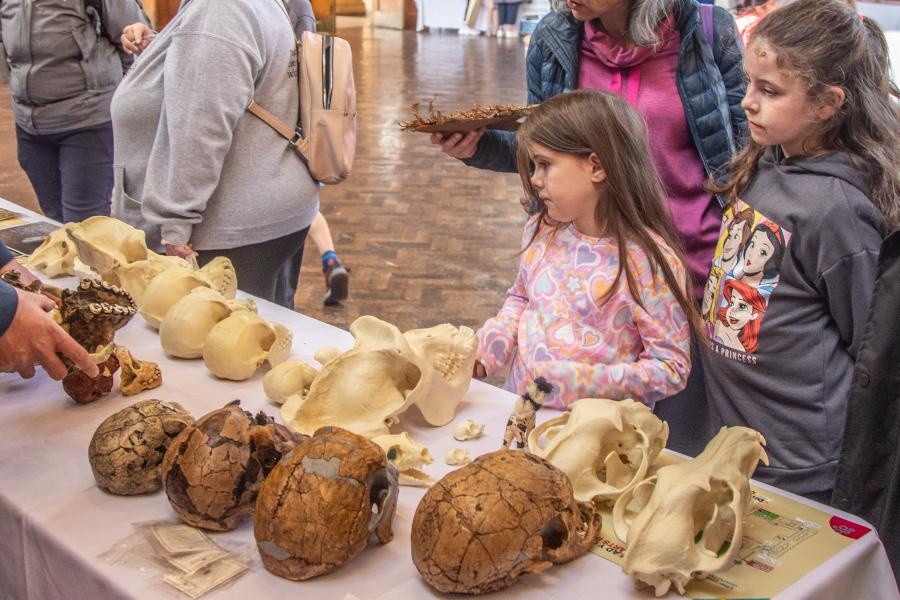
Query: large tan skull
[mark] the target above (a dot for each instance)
(118, 252)
(688, 510)
(386, 371)
(213, 470)
(407, 456)
(239, 344)
(128, 447)
(183, 331)
(507, 513)
(363, 389)
(604, 446)
(55, 256)
(322, 504)
(445, 355)
(172, 285)
(137, 375)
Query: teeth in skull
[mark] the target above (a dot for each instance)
(95, 308)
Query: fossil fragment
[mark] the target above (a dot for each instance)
(457, 456)
(467, 430)
(496, 116)
(83, 389)
(137, 375)
(523, 416)
(604, 446)
(213, 470)
(322, 504)
(687, 511)
(128, 447)
(408, 457)
(507, 513)
(94, 311)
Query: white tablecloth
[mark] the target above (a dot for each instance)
(54, 521)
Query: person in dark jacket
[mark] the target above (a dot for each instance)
(65, 61)
(868, 476)
(28, 335)
(650, 52)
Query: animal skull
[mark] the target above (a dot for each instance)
(170, 286)
(137, 375)
(604, 446)
(507, 513)
(445, 355)
(457, 456)
(407, 456)
(55, 256)
(467, 430)
(688, 510)
(322, 504)
(363, 389)
(118, 252)
(386, 371)
(83, 389)
(237, 345)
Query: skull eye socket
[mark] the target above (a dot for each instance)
(554, 533)
(392, 454)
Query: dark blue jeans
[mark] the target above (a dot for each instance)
(507, 13)
(268, 270)
(71, 172)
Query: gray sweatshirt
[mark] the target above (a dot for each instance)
(190, 162)
(63, 72)
(787, 300)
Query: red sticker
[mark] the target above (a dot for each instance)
(848, 528)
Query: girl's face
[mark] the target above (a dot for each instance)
(759, 251)
(739, 311)
(588, 10)
(733, 241)
(709, 293)
(779, 111)
(569, 185)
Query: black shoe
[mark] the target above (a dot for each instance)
(337, 281)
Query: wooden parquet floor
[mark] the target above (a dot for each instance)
(428, 240)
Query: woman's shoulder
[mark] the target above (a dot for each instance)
(557, 25)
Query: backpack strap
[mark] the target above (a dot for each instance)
(706, 21)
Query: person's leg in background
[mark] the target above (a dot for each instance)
(86, 165)
(39, 158)
(268, 270)
(337, 279)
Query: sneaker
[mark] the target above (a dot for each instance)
(466, 30)
(337, 282)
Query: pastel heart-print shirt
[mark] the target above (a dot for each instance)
(554, 325)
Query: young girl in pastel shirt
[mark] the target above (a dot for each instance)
(599, 306)
(820, 182)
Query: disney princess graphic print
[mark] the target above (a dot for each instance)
(743, 276)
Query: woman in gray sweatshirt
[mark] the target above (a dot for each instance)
(193, 168)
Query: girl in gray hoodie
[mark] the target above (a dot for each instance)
(820, 181)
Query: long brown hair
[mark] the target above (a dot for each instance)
(632, 203)
(827, 44)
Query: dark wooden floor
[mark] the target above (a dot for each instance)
(428, 239)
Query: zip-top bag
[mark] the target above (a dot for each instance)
(325, 135)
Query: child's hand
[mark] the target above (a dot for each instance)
(478, 370)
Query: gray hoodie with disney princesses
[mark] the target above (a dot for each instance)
(190, 162)
(787, 315)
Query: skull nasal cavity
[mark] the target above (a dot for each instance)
(554, 533)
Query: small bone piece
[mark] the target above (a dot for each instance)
(407, 456)
(323, 504)
(687, 511)
(128, 447)
(137, 375)
(83, 389)
(467, 430)
(507, 513)
(457, 456)
(522, 419)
